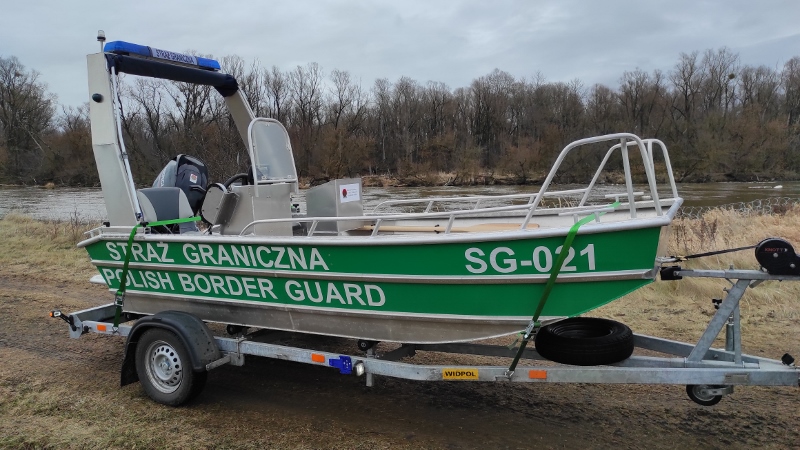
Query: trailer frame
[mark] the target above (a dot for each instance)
(709, 373)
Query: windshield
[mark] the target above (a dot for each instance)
(271, 152)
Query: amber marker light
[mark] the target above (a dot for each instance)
(101, 327)
(319, 358)
(537, 374)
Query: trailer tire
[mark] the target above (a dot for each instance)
(585, 341)
(165, 369)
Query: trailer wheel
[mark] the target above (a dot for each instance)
(165, 369)
(585, 341)
(695, 392)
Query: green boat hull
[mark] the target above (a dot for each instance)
(460, 290)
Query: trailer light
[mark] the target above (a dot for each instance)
(359, 369)
(318, 357)
(101, 327)
(537, 374)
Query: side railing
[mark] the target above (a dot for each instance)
(528, 204)
(626, 140)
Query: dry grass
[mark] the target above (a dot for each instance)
(681, 309)
(44, 249)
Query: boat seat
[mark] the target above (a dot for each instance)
(166, 203)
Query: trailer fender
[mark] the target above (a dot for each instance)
(193, 332)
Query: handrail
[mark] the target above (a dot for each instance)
(534, 200)
(450, 215)
(623, 137)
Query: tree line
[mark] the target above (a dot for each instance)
(720, 119)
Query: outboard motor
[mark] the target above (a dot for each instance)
(188, 173)
(777, 256)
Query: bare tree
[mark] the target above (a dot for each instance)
(26, 113)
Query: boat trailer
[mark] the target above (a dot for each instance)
(708, 373)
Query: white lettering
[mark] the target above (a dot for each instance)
(190, 253)
(136, 252)
(266, 288)
(318, 298)
(109, 275)
(278, 264)
(353, 291)
(249, 286)
(565, 267)
(481, 263)
(240, 256)
(132, 279)
(548, 259)
(232, 283)
(163, 246)
(164, 279)
(252, 256)
(223, 256)
(151, 253)
(204, 289)
(261, 261)
(294, 291)
(316, 259)
(112, 249)
(300, 259)
(589, 252)
(369, 288)
(217, 284)
(152, 280)
(207, 252)
(511, 264)
(333, 293)
(186, 282)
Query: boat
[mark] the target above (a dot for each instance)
(423, 271)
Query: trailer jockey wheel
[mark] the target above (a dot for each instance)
(165, 370)
(700, 395)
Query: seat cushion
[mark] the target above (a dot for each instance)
(163, 203)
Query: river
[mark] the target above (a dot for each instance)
(87, 203)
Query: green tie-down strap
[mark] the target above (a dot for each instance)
(551, 281)
(119, 298)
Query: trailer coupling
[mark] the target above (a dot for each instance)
(66, 318)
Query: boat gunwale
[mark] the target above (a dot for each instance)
(394, 239)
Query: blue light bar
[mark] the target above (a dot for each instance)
(127, 48)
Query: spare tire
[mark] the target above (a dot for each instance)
(585, 341)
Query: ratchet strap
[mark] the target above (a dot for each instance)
(718, 252)
(119, 297)
(534, 323)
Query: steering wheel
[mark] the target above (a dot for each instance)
(239, 176)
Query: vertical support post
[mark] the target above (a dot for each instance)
(730, 305)
(626, 163)
(369, 376)
(117, 192)
(737, 336)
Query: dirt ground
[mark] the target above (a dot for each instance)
(58, 392)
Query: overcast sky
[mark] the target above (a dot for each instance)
(449, 41)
